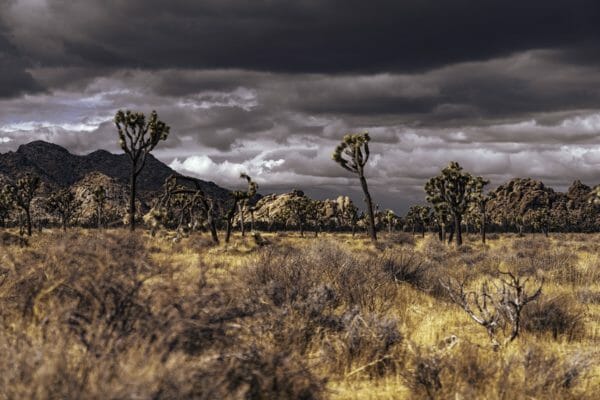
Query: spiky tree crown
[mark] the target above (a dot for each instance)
(353, 152)
(23, 190)
(251, 191)
(135, 132)
(452, 187)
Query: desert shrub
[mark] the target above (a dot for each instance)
(97, 318)
(404, 266)
(324, 294)
(492, 236)
(468, 371)
(589, 296)
(8, 239)
(401, 238)
(435, 250)
(560, 316)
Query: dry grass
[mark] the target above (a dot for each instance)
(107, 315)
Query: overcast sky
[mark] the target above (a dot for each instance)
(268, 87)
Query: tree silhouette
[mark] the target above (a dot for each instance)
(452, 187)
(21, 194)
(237, 196)
(352, 154)
(64, 204)
(137, 138)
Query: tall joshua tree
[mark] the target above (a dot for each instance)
(453, 188)
(137, 138)
(239, 195)
(64, 204)
(352, 154)
(480, 199)
(21, 193)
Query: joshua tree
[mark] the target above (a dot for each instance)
(390, 219)
(238, 196)
(21, 193)
(242, 208)
(419, 215)
(137, 138)
(64, 204)
(441, 216)
(99, 197)
(6, 206)
(186, 200)
(480, 199)
(452, 187)
(299, 209)
(352, 154)
(349, 214)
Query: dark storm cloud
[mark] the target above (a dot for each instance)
(269, 87)
(300, 36)
(14, 78)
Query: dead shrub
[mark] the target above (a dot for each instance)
(560, 316)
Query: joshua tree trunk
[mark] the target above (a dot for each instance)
(230, 215)
(451, 236)
(365, 188)
(211, 221)
(28, 221)
(458, 229)
(64, 224)
(252, 220)
(242, 227)
(132, 194)
(99, 215)
(483, 222)
(423, 230)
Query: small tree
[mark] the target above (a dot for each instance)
(137, 138)
(418, 216)
(352, 154)
(390, 219)
(481, 200)
(237, 196)
(299, 210)
(99, 198)
(452, 187)
(349, 214)
(6, 206)
(180, 201)
(21, 193)
(64, 204)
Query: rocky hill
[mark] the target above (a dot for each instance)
(569, 211)
(274, 208)
(57, 167)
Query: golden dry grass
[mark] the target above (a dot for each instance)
(102, 314)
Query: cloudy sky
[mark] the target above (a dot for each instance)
(507, 88)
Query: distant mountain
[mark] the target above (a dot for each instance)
(57, 167)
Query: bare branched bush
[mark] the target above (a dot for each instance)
(495, 307)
